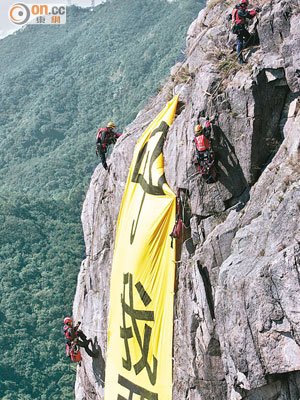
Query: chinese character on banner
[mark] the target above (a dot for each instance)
(55, 19)
(134, 332)
(40, 20)
(135, 389)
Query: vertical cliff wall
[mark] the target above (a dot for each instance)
(237, 306)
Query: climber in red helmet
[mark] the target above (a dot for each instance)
(240, 15)
(205, 156)
(73, 335)
(202, 136)
(105, 137)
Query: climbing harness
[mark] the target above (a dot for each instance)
(206, 167)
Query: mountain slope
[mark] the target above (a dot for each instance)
(57, 86)
(61, 87)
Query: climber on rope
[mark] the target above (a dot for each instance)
(75, 338)
(240, 15)
(177, 232)
(205, 155)
(105, 137)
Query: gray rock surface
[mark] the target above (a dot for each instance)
(237, 305)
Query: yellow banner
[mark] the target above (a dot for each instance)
(140, 328)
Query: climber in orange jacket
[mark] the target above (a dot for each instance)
(205, 155)
(202, 136)
(73, 334)
(240, 15)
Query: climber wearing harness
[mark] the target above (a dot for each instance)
(205, 156)
(202, 136)
(73, 336)
(240, 15)
(105, 137)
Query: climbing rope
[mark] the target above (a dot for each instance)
(86, 324)
(183, 207)
(212, 95)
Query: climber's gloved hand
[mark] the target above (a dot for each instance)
(258, 9)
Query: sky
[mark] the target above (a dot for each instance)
(7, 27)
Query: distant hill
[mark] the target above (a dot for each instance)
(57, 86)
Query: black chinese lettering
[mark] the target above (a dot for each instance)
(137, 177)
(143, 294)
(127, 333)
(135, 389)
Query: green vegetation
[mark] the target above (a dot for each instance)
(41, 248)
(64, 82)
(58, 85)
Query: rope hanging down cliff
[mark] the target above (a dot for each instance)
(212, 95)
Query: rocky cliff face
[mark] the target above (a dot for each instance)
(237, 304)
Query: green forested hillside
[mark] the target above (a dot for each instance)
(65, 81)
(41, 248)
(58, 85)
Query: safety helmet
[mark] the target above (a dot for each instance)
(198, 128)
(244, 3)
(68, 321)
(110, 125)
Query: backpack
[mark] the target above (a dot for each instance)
(177, 230)
(102, 135)
(75, 353)
(234, 24)
(202, 143)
